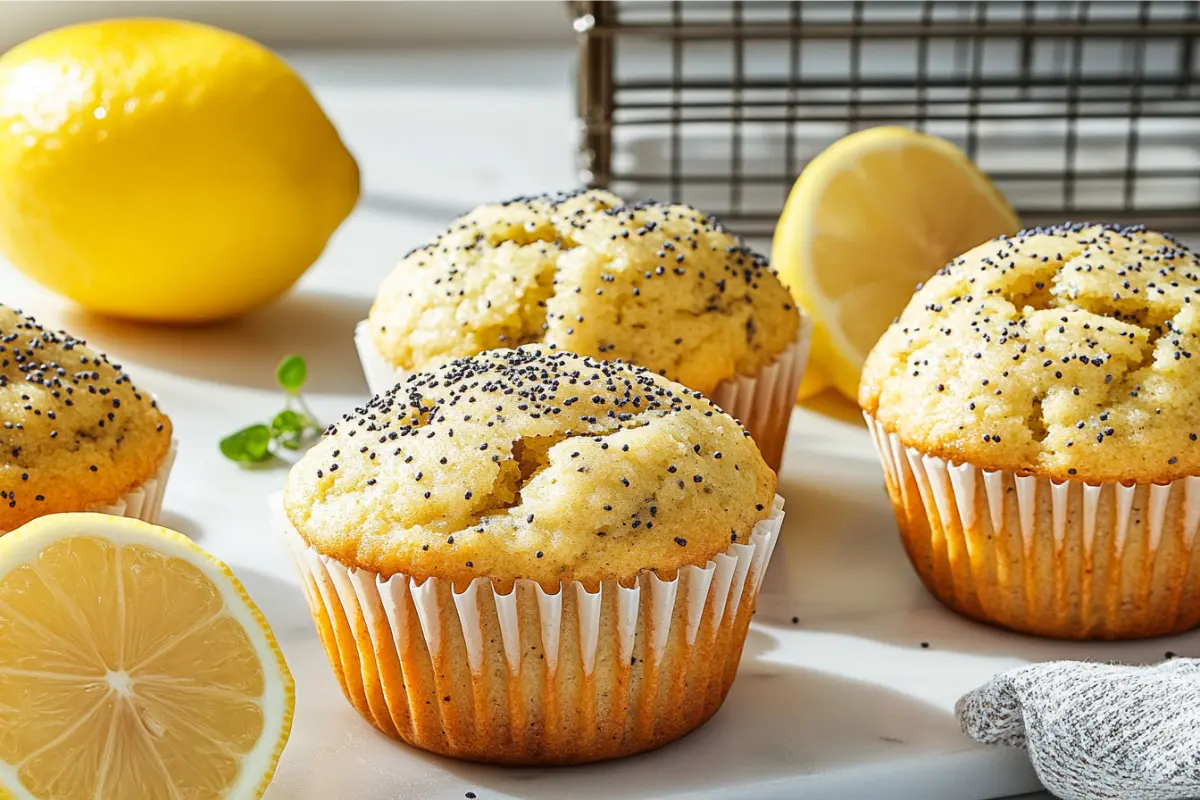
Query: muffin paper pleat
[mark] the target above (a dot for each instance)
(515, 674)
(1062, 559)
(142, 502)
(762, 402)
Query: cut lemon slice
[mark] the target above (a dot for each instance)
(873, 215)
(132, 665)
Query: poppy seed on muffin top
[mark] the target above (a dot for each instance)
(659, 285)
(1068, 352)
(531, 463)
(74, 430)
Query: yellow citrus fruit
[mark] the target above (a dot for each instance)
(813, 383)
(164, 170)
(132, 664)
(869, 218)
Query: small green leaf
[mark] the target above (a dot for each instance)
(292, 373)
(249, 445)
(288, 428)
(287, 421)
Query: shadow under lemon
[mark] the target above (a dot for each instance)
(245, 351)
(832, 403)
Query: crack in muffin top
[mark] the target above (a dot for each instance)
(74, 430)
(1067, 352)
(659, 285)
(531, 463)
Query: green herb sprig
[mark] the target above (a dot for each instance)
(288, 430)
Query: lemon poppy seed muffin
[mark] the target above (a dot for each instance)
(545, 537)
(1066, 359)
(1069, 352)
(531, 463)
(75, 432)
(662, 286)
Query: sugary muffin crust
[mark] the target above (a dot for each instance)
(74, 430)
(1068, 352)
(530, 463)
(663, 286)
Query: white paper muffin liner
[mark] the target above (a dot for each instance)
(142, 502)
(381, 375)
(1063, 559)
(526, 676)
(763, 402)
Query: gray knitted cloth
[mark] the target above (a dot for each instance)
(1096, 730)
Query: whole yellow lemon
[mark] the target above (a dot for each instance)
(164, 170)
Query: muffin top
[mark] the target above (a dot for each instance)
(659, 285)
(530, 463)
(74, 430)
(1068, 352)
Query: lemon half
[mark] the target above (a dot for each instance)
(132, 664)
(875, 214)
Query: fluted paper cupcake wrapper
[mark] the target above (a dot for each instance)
(1063, 559)
(529, 677)
(142, 502)
(763, 402)
(381, 375)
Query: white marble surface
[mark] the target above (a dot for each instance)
(843, 702)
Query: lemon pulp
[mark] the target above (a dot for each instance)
(126, 671)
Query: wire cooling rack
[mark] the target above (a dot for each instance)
(1078, 110)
